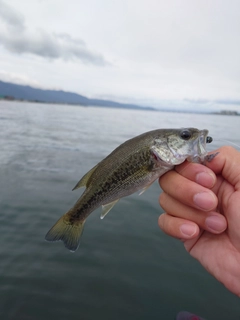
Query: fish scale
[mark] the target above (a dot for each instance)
(132, 166)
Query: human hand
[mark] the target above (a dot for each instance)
(202, 205)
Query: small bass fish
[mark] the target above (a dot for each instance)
(131, 167)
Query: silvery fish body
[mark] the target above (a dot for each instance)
(131, 167)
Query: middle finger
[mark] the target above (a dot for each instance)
(188, 192)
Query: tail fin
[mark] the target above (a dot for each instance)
(67, 231)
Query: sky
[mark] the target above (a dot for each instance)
(136, 51)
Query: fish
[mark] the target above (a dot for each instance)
(133, 166)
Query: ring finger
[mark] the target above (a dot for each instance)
(211, 221)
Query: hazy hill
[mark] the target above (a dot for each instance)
(21, 92)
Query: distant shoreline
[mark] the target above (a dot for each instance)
(222, 112)
(77, 104)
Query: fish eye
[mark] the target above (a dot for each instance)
(185, 134)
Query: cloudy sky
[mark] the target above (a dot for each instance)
(142, 51)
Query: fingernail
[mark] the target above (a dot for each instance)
(188, 229)
(204, 200)
(215, 223)
(205, 179)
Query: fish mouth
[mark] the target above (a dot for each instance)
(199, 146)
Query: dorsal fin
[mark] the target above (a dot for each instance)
(83, 181)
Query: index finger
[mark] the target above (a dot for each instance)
(187, 191)
(198, 173)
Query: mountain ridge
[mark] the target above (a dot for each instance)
(25, 92)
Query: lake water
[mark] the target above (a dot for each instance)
(125, 267)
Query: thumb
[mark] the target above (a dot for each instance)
(227, 163)
(226, 166)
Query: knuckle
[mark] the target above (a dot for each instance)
(161, 221)
(162, 199)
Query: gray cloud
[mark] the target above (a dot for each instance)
(15, 37)
(11, 16)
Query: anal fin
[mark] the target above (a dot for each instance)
(107, 207)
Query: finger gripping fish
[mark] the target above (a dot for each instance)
(131, 167)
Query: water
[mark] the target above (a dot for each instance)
(125, 268)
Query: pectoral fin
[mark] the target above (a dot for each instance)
(145, 188)
(83, 181)
(107, 207)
